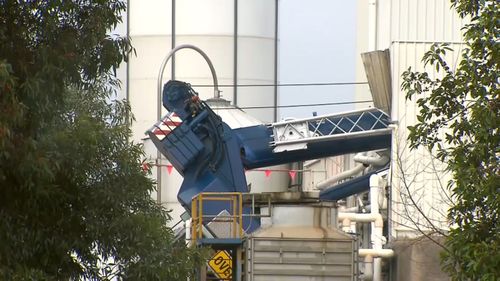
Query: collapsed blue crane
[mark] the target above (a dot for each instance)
(212, 157)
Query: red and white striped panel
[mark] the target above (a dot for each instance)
(168, 123)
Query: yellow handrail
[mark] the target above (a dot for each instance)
(200, 217)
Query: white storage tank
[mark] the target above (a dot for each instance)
(239, 38)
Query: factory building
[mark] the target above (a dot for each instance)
(365, 228)
(417, 194)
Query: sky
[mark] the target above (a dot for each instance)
(316, 45)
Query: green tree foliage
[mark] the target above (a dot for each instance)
(459, 118)
(74, 202)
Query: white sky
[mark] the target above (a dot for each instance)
(317, 44)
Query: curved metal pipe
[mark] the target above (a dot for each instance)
(378, 161)
(159, 81)
(376, 253)
(164, 64)
(344, 175)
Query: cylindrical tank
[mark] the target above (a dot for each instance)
(300, 242)
(239, 38)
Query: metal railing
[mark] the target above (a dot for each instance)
(232, 219)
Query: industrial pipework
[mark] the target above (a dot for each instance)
(373, 263)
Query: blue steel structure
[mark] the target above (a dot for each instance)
(212, 157)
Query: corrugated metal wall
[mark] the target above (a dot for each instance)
(409, 28)
(301, 259)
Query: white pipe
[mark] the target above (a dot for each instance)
(372, 25)
(377, 246)
(374, 192)
(371, 160)
(355, 209)
(380, 253)
(346, 225)
(344, 175)
(365, 161)
(370, 217)
(353, 227)
(368, 270)
(376, 237)
(310, 162)
(164, 64)
(377, 231)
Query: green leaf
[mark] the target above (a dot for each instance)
(74, 202)
(462, 106)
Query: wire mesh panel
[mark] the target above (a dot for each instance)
(296, 134)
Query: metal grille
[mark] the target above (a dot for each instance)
(295, 134)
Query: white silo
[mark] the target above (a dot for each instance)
(239, 38)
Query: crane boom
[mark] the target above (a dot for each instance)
(212, 157)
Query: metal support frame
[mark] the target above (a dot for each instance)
(200, 218)
(296, 134)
